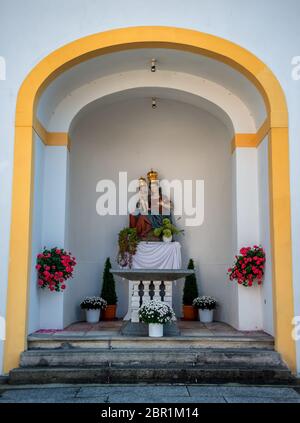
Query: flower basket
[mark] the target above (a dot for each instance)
(54, 267)
(93, 307)
(206, 306)
(249, 266)
(166, 231)
(156, 313)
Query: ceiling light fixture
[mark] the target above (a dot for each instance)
(153, 65)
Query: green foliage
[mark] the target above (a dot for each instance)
(128, 241)
(190, 290)
(167, 233)
(108, 287)
(167, 229)
(157, 232)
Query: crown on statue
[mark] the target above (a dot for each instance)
(152, 176)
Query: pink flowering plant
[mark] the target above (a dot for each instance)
(54, 267)
(249, 266)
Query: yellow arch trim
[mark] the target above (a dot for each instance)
(250, 140)
(54, 139)
(142, 37)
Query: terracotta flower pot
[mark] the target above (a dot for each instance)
(109, 313)
(190, 313)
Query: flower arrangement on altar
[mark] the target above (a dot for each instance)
(249, 266)
(93, 303)
(205, 303)
(156, 312)
(54, 267)
(167, 230)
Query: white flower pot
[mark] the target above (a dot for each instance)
(206, 316)
(156, 330)
(92, 316)
(167, 238)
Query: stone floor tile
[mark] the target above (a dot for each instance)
(39, 393)
(125, 398)
(250, 400)
(134, 391)
(245, 391)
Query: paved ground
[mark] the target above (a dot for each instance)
(186, 328)
(148, 394)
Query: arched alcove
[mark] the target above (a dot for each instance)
(274, 131)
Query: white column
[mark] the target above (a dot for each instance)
(135, 302)
(168, 293)
(54, 228)
(249, 309)
(156, 290)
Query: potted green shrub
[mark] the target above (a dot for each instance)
(190, 292)
(108, 292)
(206, 306)
(167, 230)
(156, 313)
(93, 307)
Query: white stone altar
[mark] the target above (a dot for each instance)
(146, 286)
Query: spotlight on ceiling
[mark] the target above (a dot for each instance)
(154, 104)
(153, 65)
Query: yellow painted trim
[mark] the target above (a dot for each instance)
(250, 140)
(243, 141)
(279, 185)
(60, 139)
(131, 38)
(20, 247)
(262, 132)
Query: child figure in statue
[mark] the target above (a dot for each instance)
(152, 207)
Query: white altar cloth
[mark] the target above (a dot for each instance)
(157, 255)
(152, 255)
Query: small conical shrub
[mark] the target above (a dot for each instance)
(108, 287)
(190, 290)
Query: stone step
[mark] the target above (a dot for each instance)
(179, 342)
(66, 357)
(156, 374)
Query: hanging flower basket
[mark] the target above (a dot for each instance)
(54, 267)
(249, 266)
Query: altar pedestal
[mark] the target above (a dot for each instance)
(143, 291)
(156, 265)
(152, 255)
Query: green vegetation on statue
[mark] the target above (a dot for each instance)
(190, 290)
(108, 292)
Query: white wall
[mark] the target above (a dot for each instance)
(48, 230)
(264, 234)
(181, 142)
(30, 30)
(37, 240)
(246, 184)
